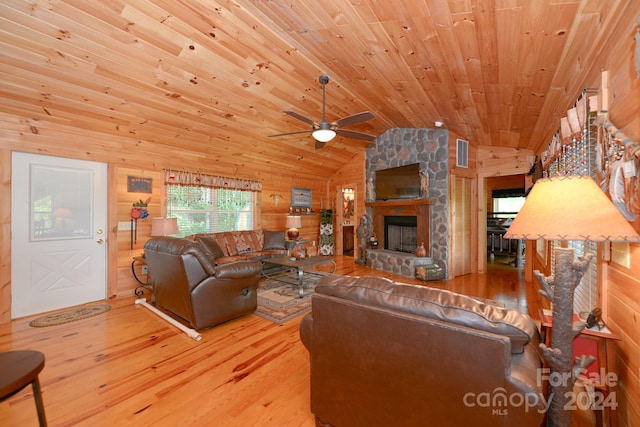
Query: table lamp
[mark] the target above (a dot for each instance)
(164, 226)
(293, 223)
(567, 208)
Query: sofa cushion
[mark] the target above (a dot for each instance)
(226, 242)
(210, 245)
(245, 241)
(242, 246)
(274, 240)
(435, 304)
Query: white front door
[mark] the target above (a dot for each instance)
(58, 239)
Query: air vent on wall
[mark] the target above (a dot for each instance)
(462, 153)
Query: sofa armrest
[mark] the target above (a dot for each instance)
(306, 330)
(238, 269)
(207, 262)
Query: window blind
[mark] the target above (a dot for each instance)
(210, 204)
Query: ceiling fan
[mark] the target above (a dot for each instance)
(324, 131)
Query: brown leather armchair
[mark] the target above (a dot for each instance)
(189, 284)
(388, 354)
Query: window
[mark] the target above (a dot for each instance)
(507, 205)
(202, 206)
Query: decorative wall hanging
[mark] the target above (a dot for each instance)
(589, 144)
(348, 203)
(276, 198)
(301, 198)
(139, 185)
(618, 168)
(326, 232)
(139, 211)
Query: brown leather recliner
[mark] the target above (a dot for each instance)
(189, 284)
(388, 354)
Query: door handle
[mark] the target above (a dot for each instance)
(100, 241)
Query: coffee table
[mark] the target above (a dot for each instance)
(299, 266)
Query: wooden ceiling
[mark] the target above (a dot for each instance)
(215, 76)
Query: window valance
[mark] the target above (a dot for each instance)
(509, 192)
(196, 179)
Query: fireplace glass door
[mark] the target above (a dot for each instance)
(401, 233)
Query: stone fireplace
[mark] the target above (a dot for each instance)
(398, 147)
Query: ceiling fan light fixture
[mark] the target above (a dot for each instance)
(324, 131)
(324, 135)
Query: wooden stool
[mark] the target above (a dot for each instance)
(19, 369)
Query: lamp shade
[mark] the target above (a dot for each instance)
(570, 208)
(293, 221)
(164, 226)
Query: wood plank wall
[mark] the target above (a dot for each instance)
(621, 285)
(130, 157)
(5, 236)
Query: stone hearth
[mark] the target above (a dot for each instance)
(395, 262)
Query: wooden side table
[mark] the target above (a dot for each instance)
(601, 374)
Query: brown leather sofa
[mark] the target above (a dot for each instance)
(241, 245)
(189, 284)
(388, 354)
(230, 246)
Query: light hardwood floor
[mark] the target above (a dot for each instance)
(129, 367)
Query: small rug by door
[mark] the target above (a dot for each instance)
(280, 302)
(71, 315)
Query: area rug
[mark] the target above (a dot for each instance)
(71, 315)
(280, 302)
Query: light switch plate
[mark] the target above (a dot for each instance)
(124, 225)
(620, 254)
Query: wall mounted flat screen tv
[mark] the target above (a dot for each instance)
(402, 182)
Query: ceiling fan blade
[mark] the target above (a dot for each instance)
(293, 133)
(319, 144)
(355, 135)
(354, 118)
(300, 117)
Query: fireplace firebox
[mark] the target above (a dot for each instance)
(401, 233)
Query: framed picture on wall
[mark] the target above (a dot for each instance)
(300, 197)
(139, 185)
